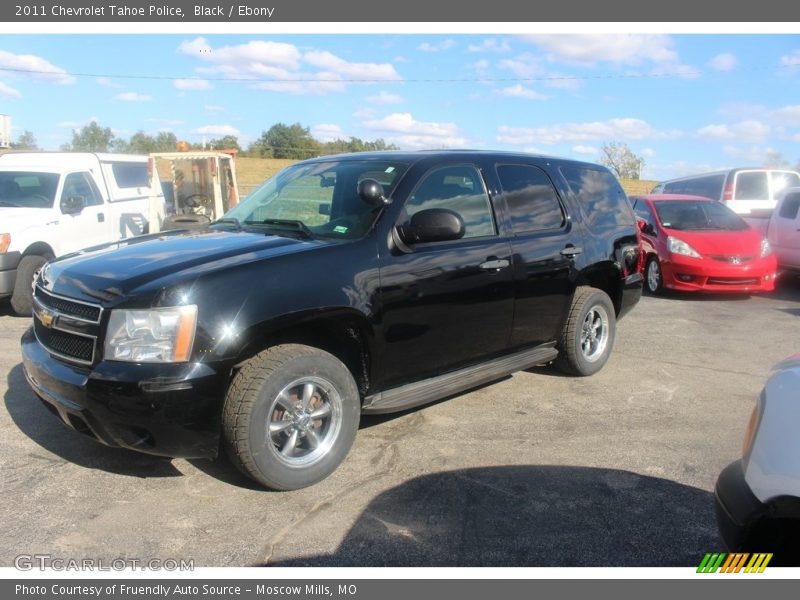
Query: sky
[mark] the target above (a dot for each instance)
(685, 102)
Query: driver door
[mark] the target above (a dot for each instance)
(91, 225)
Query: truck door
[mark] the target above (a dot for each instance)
(543, 253)
(446, 304)
(88, 226)
(784, 231)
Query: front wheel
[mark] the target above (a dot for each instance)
(588, 334)
(654, 279)
(27, 270)
(290, 416)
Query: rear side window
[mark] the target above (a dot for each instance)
(128, 175)
(709, 186)
(602, 200)
(531, 199)
(790, 206)
(751, 185)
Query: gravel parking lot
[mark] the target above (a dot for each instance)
(535, 470)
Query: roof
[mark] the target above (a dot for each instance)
(60, 162)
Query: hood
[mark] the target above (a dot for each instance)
(111, 272)
(19, 218)
(713, 242)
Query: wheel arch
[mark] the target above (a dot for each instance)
(605, 276)
(39, 249)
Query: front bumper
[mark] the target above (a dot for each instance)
(167, 410)
(737, 509)
(710, 275)
(8, 272)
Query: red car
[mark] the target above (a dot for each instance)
(693, 243)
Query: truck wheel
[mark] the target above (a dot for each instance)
(22, 297)
(290, 416)
(653, 278)
(588, 335)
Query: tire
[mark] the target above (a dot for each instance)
(269, 424)
(653, 276)
(22, 297)
(588, 335)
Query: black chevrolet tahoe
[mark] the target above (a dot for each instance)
(360, 283)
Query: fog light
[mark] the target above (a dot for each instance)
(684, 277)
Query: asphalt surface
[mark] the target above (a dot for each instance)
(537, 469)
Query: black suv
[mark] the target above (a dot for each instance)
(361, 283)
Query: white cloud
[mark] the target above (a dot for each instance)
(133, 97)
(281, 67)
(192, 84)
(787, 115)
(412, 134)
(385, 97)
(648, 152)
(327, 132)
(749, 132)
(30, 65)
(69, 124)
(9, 92)
(437, 47)
(520, 91)
(754, 155)
(562, 82)
(217, 130)
(108, 82)
(742, 110)
(723, 62)
(581, 149)
(588, 49)
(613, 129)
(524, 65)
(166, 122)
(791, 60)
(490, 45)
(213, 108)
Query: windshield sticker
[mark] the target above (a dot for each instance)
(340, 229)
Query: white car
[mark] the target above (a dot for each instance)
(783, 231)
(757, 498)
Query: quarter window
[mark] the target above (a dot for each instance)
(458, 188)
(601, 198)
(531, 199)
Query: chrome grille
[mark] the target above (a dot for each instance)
(67, 328)
(73, 308)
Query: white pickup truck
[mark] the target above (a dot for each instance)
(53, 203)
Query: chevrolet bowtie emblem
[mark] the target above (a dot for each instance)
(45, 316)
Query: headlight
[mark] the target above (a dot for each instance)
(766, 249)
(5, 242)
(155, 335)
(677, 246)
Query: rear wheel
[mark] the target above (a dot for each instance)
(589, 332)
(654, 279)
(27, 270)
(291, 415)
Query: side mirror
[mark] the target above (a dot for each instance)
(645, 227)
(371, 192)
(433, 225)
(72, 205)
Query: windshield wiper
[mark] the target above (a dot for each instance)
(285, 225)
(229, 220)
(4, 203)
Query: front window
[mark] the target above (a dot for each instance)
(30, 190)
(689, 215)
(318, 199)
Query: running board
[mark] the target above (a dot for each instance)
(441, 386)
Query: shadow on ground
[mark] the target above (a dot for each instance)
(527, 516)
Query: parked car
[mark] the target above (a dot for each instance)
(745, 191)
(696, 244)
(757, 498)
(53, 203)
(783, 231)
(363, 283)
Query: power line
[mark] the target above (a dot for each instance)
(666, 74)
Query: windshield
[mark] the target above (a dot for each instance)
(31, 190)
(318, 199)
(696, 215)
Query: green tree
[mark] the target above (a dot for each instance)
(91, 138)
(143, 143)
(225, 142)
(287, 141)
(25, 141)
(355, 144)
(621, 160)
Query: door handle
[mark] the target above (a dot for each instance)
(101, 217)
(494, 264)
(571, 251)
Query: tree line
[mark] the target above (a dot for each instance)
(279, 141)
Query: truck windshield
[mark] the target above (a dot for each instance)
(30, 190)
(318, 199)
(701, 214)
